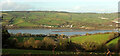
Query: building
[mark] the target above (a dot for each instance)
(117, 23)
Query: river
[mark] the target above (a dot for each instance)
(57, 31)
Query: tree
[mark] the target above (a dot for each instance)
(31, 41)
(62, 44)
(26, 44)
(5, 36)
(37, 44)
(48, 43)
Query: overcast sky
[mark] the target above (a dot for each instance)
(98, 6)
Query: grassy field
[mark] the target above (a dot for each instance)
(39, 18)
(23, 51)
(99, 38)
(113, 42)
(19, 52)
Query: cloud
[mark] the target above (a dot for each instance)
(64, 0)
(98, 9)
(60, 5)
(13, 6)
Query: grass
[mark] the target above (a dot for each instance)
(26, 24)
(99, 38)
(113, 42)
(21, 51)
(25, 51)
(58, 18)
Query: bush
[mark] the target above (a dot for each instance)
(111, 36)
(12, 43)
(26, 44)
(114, 35)
(48, 43)
(29, 42)
(5, 36)
(19, 45)
(37, 44)
(89, 46)
(18, 34)
(62, 44)
(87, 34)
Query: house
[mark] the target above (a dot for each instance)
(117, 23)
(103, 18)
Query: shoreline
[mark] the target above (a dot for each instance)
(60, 28)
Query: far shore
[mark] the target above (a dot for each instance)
(57, 28)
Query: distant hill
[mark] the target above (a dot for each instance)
(56, 19)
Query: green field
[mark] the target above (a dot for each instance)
(19, 52)
(113, 42)
(57, 19)
(99, 38)
(23, 51)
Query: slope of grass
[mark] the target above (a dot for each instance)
(59, 18)
(113, 42)
(18, 21)
(26, 24)
(99, 38)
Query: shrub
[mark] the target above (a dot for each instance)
(18, 34)
(37, 44)
(87, 34)
(25, 39)
(111, 36)
(5, 36)
(12, 42)
(48, 43)
(19, 45)
(26, 44)
(62, 44)
(114, 35)
(29, 42)
(89, 46)
(26, 35)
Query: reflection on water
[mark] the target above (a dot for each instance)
(53, 31)
(57, 55)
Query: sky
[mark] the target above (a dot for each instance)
(96, 6)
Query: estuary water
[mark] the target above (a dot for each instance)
(67, 32)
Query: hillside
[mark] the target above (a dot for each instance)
(53, 19)
(99, 38)
(113, 42)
